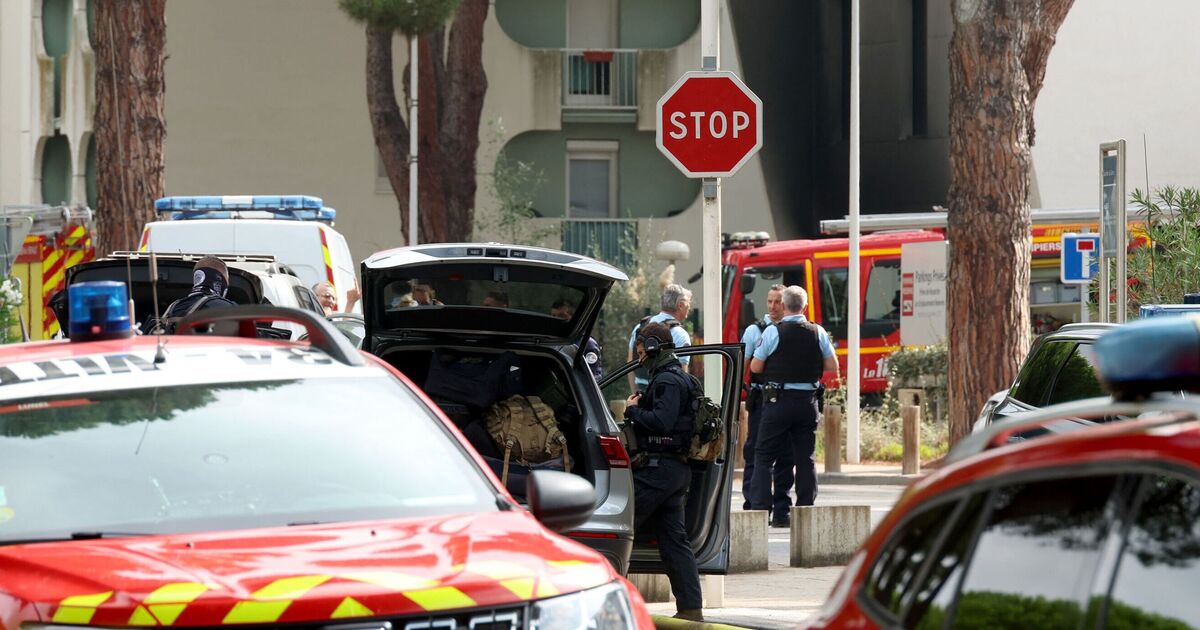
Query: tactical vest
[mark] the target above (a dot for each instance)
(679, 440)
(762, 325)
(797, 358)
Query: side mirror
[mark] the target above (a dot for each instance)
(747, 283)
(561, 501)
(747, 315)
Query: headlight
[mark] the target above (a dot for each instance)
(599, 608)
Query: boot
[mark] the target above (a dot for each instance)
(690, 614)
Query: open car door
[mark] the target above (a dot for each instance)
(709, 499)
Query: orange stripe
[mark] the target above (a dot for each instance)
(862, 252)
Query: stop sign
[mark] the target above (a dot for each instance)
(709, 124)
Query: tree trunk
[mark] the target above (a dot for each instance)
(998, 59)
(129, 124)
(452, 88)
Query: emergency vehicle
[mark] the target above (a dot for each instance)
(1095, 527)
(751, 263)
(203, 481)
(60, 238)
(296, 229)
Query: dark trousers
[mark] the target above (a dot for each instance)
(781, 475)
(789, 424)
(660, 496)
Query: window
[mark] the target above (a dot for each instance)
(934, 595)
(833, 301)
(920, 71)
(1159, 567)
(1077, 378)
(895, 572)
(754, 304)
(1035, 559)
(591, 179)
(307, 300)
(881, 306)
(1038, 372)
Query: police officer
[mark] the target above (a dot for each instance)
(792, 357)
(754, 400)
(210, 282)
(675, 304)
(663, 419)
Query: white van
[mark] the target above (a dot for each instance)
(296, 229)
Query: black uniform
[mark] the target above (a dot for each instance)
(197, 300)
(781, 476)
(663, 421)
(789, 416)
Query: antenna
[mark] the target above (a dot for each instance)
(159, 354)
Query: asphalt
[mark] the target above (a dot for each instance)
(784, 596)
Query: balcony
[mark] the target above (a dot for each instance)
(599, 85)
(614, 241)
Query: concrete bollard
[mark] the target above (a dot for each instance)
(827, 535)
(833, 438)
(714, 591)
(911, 418)
(748, 541)
(617, 409)
(655, 588)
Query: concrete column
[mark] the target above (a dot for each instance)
(833, 438)
(748, 541)
(827, 535)
(911, 418)
(655, 588)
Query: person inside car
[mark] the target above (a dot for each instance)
(210, 282)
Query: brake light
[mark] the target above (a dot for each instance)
(614, 452)
(592, 535)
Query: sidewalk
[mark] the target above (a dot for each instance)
(779, 598)
(885, 473)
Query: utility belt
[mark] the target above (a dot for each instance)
(647, 459)
(646, 450)
(774, 391)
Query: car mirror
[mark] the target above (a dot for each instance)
(561, 501)
(747, 284)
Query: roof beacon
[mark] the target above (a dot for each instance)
(98, 311)
(1149, 356)
(287, 207)
(746, 240)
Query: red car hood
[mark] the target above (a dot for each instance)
(294, 574)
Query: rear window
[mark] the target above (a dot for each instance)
(229, 456)
(1036, 376)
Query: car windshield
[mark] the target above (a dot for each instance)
(228, 456)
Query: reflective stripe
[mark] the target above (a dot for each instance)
(351, 607)
(273, 599)
(441, 598)
(78, 609)
(390, 580)
(328, 260)
(145, 245)
(166, 603)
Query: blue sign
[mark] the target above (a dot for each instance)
(1080, 260)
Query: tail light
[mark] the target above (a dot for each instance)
(614, 452)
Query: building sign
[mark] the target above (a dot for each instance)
(923, 293)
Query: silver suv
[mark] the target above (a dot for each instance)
(488, 304)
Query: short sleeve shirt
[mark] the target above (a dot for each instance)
(751, 337)
(770, 340)
(678, 334)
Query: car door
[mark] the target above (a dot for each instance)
(709, 499)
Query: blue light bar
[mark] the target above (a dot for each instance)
(1150, 355)
(98, 310)
(288, 207)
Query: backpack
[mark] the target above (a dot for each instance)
(526, 430)
(168, 323)
(709, 425)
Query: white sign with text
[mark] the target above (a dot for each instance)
(923, 293)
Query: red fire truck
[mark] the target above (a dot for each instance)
(751, 264)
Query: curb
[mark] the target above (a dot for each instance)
(866, 479)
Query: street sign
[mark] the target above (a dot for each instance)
(1080, 260)
(922, 304)
(709, 124)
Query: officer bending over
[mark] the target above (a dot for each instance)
(663, 419)
(792, 357)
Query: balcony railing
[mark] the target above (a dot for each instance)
(600, 79)
(615, 241)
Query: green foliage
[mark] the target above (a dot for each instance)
(10, 298)
(411, 17)
(514, 185)
(1162, 274)
(907, 365)
(993, 610)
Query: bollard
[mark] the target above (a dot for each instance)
(827, 535)
(911, 417)
(748, 535)
(617, 409)
(654, 587)
(833, 438)
(743, 431)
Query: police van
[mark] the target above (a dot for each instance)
(296, 229)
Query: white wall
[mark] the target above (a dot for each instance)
(1120, 69)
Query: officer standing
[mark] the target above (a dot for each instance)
(754, 399)
(663, 419)
(675, 304)
(792, 357)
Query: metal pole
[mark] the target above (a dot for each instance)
(413, 126)
(1122, 279)
(710, 53)
(1103, 301)
(853, 370)
(1084, 290)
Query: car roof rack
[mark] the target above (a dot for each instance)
(189, 256)
(321, 334)
(998, 434)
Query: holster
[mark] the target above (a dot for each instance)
(771, 392)
(639, 460)
(754, 397)
(820, 396)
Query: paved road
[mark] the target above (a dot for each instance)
(782, 596)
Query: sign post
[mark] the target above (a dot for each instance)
(709, 124)
(1113, 239)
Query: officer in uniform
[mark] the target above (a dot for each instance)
(792, 357)
(663, 418)
(210, 282)
(754, 399)
(676, 303)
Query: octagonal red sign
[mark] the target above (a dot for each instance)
(709, 124)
